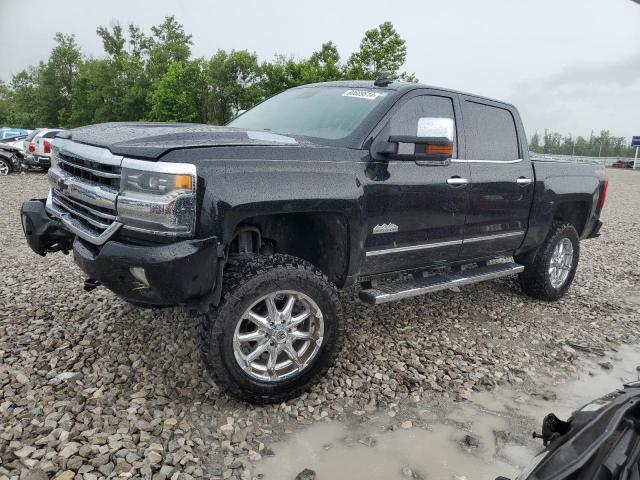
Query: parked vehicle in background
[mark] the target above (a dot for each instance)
(623, 164)
(10, 158)
(27, 140)
(11, 154)
(402, 188)
(7, 132)
(37, 152)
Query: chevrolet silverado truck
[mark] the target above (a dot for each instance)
(401, 188)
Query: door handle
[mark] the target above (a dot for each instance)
(457, 181)
(524, 181)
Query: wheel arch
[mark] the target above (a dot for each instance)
(319, 237)
(575, 212)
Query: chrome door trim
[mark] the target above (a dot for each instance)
(424, 246)
(411, 248)
(494, 236)
(460, 160)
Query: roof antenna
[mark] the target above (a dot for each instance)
(383, 80)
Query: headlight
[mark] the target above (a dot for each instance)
(158, 197)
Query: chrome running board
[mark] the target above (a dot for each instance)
(397, 290)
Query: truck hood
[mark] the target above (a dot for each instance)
(152, 140)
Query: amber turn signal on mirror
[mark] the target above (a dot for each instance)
(431, 149)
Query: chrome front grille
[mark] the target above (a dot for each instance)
(90, 170)
(96, 218)
(84, 182)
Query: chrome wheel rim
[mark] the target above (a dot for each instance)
(278, 336)
(4, 168)
(561, 263)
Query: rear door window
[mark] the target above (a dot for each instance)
(490, 132)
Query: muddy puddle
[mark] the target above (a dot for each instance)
(487, 436)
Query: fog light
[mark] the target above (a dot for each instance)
(140, 275)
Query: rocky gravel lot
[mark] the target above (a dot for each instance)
(92, 387)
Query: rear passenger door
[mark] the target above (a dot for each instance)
(501, 179)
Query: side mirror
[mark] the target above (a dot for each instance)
(433, 142)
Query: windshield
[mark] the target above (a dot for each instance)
(324, 112)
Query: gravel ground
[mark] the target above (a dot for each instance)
(94, 388)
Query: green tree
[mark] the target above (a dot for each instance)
(129, 82)
(283, 73)
(323, 65)
(280, 74)
(168, 44)
(534, 143)
(233, 81)
(178, 96)
(7, 104)
(382, 50)
(146, 76)
(93, 96)
(54, 90)
(25, 102)
(604, 145)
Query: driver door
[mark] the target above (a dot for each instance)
(415, 209)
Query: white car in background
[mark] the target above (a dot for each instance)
(37, 147)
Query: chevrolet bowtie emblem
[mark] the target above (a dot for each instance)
(385, 228)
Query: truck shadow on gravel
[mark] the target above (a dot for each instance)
(158, 350)
(430, 343)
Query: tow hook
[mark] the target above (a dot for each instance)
(91, 284)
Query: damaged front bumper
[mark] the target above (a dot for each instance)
(168, 274)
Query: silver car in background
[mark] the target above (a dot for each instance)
(37, 147)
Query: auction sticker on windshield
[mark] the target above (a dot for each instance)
(364, 94)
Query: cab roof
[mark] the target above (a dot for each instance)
(398, 87)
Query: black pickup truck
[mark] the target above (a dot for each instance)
(401, 188)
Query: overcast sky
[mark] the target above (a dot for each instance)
(569, 65)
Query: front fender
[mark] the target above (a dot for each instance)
(244, 189)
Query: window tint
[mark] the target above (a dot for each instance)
(405, 120)
(490, 133)
(50, 134)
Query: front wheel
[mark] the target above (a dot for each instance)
(5, 167)
(549, 274)
(276, 331)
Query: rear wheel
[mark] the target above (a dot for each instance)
(276, 331)
(5, 167)
(549, 273)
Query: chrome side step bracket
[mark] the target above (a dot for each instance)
(397, 290)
